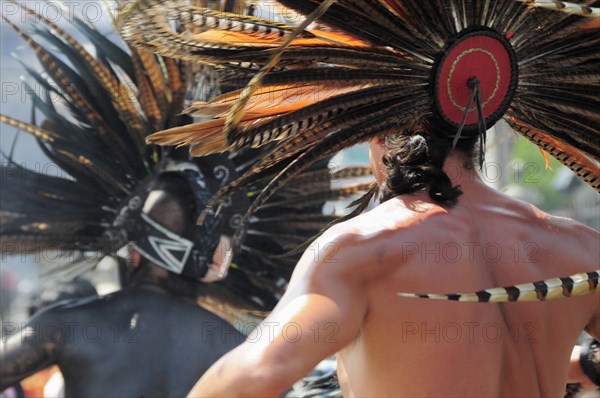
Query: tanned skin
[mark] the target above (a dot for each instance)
(342, 299)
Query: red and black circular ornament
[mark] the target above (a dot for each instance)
(482, 55)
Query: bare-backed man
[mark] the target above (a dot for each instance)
(439, 229)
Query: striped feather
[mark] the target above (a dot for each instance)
(564, 6)
(312, 117)
(318, 120)
(148, 101)
(155, 71)
(102, 172)
(345, 123)
(275, 99)
(585, 168)
(118, 93)
(373, 57)
(255, 83)
(320, 197)
(40, 133)
(352, 172)
(557, 47)
(355, 134)
(579, 284)
(53, 68)
(206, 18)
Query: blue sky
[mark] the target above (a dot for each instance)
(14, 99)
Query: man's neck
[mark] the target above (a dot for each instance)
(461, 171)
(157, 279)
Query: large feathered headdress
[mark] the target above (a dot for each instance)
(375, 66)
(97, 111)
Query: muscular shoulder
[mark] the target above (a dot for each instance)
(562, 245)
(353, 248)
(518, 210)
(568, 225)
(564, 227)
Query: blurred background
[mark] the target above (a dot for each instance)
(513, 166)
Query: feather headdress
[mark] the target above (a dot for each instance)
(97, 111)
(375, 66)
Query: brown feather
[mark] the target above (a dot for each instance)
(145, 94)
(585, 168)
(109, 82)
(42, 134)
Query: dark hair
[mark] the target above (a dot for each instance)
(415, 160)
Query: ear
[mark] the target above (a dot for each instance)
(378, 140)
(135, 259)
(221, 261)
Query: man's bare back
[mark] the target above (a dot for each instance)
(465, 349)
(342, 298)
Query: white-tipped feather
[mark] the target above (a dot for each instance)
(564, 6)
(583, 283)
